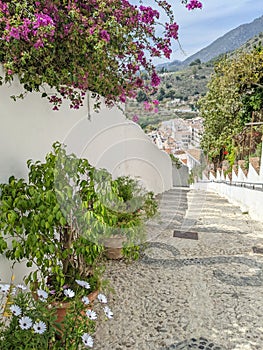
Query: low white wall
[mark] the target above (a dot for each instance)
(246, 198)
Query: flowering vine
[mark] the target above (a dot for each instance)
(75, 46)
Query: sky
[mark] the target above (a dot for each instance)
(199, 28)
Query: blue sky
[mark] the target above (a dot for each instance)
(199, 28)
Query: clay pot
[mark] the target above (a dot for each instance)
(113, 246)
(62, 307)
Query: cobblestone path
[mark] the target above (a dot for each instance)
(190, 294)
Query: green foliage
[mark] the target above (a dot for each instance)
(131, 207)
(13, 337)
(191, 178)
(141, 96)
(175, 161)
(131, 252)
(57, 219)
(233, 99)
(195, 62)
(48, 217)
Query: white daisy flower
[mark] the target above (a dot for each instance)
(83, 284)
(39, 327)
(21, 286)
(5, 288)
(102, 298)
(69, 293)
(108, 312)
(15, 309)
(91, 314)
(85, 300)
(25, 322)
(87, 340)
(42, 294)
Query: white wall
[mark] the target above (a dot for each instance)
(108, 140)
(29, 127)
(180, 176)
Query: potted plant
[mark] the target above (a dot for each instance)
(56, 221)
(126, 216)
(32, 323)
(59, 218)
(50, 221)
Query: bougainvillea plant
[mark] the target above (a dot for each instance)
(75, 46)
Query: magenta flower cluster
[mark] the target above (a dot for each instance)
(75, 46)
(194, 4)
(34, 30)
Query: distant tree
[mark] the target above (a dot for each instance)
(194, 70)
(161, 94)
(195, 62)
(170, 94)
(163, 70)
(141, 96)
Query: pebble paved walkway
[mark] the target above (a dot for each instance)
(190, 294)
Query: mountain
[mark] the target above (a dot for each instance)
(227, 43)
(180, 90)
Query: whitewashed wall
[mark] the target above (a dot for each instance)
(107, 140)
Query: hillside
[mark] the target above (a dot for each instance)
(179, 91)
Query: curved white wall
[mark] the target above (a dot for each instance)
(108, 140)
(29, 127)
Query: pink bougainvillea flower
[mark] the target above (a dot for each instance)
(105, 35)
(155, 80)
(44, 34)
(135, 118)
(147, 105)
(194, 4)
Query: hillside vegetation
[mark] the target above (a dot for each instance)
(180, 91)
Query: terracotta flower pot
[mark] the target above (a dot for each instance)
(113, 246)
(62, 307)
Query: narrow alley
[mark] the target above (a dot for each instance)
(198, 285)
